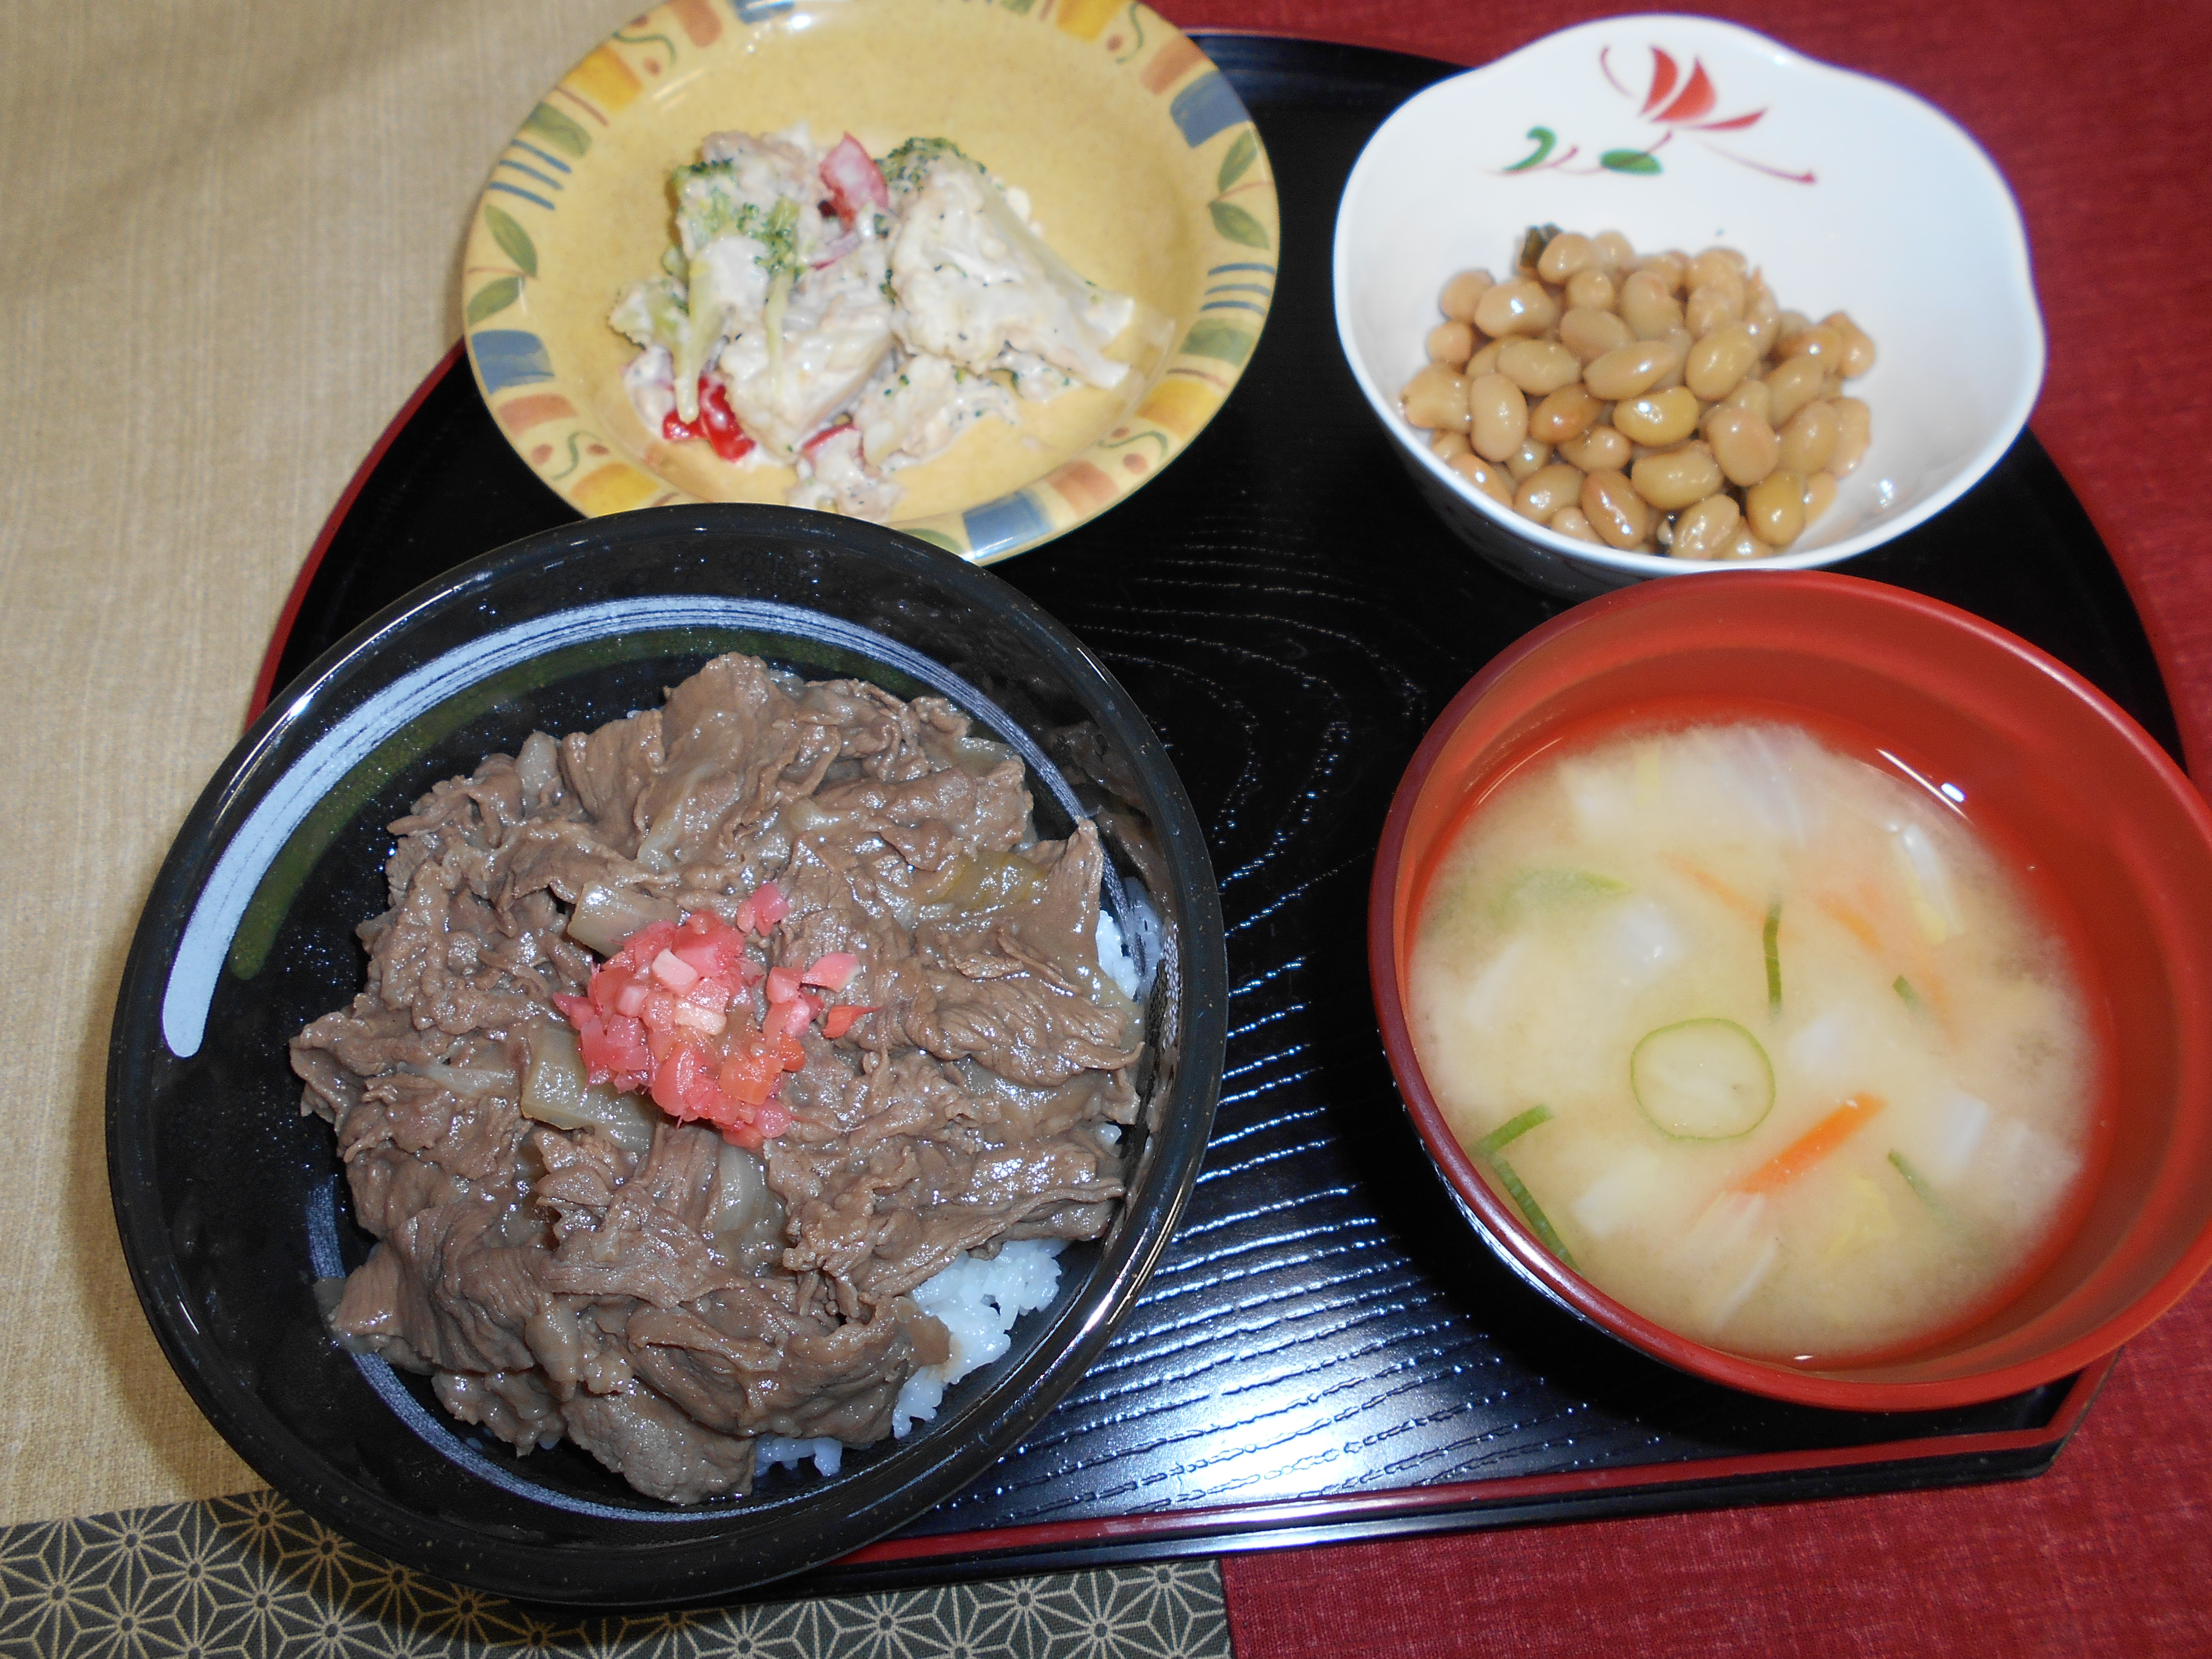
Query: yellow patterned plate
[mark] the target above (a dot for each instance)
(1144, 171)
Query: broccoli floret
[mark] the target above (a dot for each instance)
(708, 204)
(708, 207)
(777, 232)
(708, 210)
(907, 167)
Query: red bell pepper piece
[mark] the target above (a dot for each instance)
(855, 183)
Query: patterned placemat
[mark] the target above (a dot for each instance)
(252, 1576)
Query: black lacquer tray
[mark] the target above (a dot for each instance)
(1326, 1351)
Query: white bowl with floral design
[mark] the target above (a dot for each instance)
(1682, 132)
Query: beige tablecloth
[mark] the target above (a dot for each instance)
(229, 236)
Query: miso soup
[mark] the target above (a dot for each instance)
(1764, 1039)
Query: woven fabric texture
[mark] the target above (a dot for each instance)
(252, 1576)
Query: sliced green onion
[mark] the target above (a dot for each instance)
(1538, 1222)
(1903, 987)
(1486, 1148)
(1511, 1130)
(1918, 1182)
(1702, 1080)
(1772, 937)
(1949, 1218)
(1552, 886)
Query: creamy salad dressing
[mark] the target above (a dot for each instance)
(858, 320)
(992, 458)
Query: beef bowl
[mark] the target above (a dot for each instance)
(794, 1016)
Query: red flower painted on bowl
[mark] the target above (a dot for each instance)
(1673, 104)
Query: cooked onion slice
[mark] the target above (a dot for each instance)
(555, 1091)
(605, 916)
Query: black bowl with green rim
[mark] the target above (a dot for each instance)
(232, 1206)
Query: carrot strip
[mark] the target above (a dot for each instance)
(1929, 984)
(1815, 1144)
(1851, 922)
(1720, 889)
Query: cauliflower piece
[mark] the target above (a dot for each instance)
(835, 331)
(913, 410)
(834, 479)
(978, 286)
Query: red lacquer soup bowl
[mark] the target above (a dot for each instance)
(2045, 763)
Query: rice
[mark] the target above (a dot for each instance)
(978, 1300)
(1115, 956)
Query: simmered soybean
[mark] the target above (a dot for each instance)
(1661, 402)
(1568, 413)
(1658, 417)
(1622, 517)
(1549, 490)
(1673, 479)
(1498, 416)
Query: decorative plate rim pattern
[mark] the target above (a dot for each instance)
(541, 412)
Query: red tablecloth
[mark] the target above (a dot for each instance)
(2101, 117)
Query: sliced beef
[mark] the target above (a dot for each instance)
(516, 1406)
(662, 1305)
(650, 1443)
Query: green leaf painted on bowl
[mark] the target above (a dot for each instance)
(1238, 161)
(512, 238)
(1237, 225)
(1545, 138)
(1629, 161)
(493, 298)
(1212, 338)
(558, 130)
(576, 442)
(648, 38)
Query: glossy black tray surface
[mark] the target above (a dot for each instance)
(1326, 1351)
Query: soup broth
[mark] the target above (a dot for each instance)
(1763, 1040)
